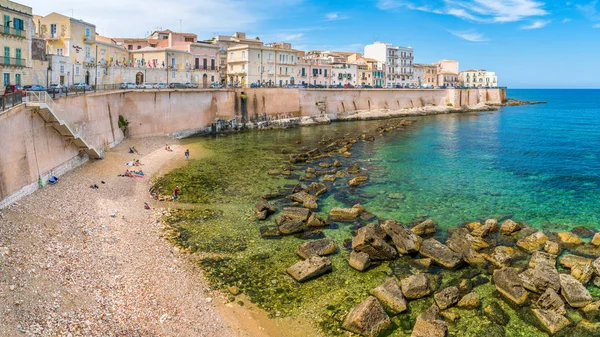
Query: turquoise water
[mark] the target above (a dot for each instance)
(537, 163)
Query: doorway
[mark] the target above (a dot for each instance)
(139, 78)
(87, 77)
(204, 81)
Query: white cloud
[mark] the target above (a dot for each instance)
(482, 11)
(537, 24)
(596, 25)
(135, 18)
(289, 37)
(335, 16)
(565, 20)
(470, 36)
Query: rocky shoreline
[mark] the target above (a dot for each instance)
(541, 275)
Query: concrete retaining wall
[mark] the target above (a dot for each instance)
(30, 149)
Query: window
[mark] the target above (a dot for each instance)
(18, 79)
(258, 55)
(18, 56)
(286, 70)
(139, 47)
(189, 39)
(280, 70)
(243, 66)
(258, 69)
(292, 58)
(77, 70)
(231, 56)
(270, 56)
(53, 30)
(320, 71)
(243, 54)
(59, 51)
(88, 52)
(19, 24)
(62, 69)
(230, 67)
(325, 73)
(88, 33)
(6, 79)
(130, 47)
(303, 72)
(212, 78)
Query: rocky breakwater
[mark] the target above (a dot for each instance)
(542, 276)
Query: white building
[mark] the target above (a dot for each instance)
(269, 65)
(344, 73)
(399, 62)
(478, 78)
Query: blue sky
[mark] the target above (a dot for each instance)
(529, 43)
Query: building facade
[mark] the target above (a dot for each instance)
(344, 73)
(478, 78)
(426, 75)
(15, 37)
(265, 65)
(314, 73)
(398, 61)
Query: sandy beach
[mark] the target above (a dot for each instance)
(75, 261)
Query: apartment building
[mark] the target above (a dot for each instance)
(478, 78)
(426, 75)
(314, 73)
(398, 61)
(15, 37)
(273, 64)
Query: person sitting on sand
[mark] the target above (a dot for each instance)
(166, 147)
(94, 186)
(128, 174)
(169, 149)
(146, 206)
(137, 163)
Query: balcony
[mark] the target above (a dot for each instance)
(51, 37)
(9, 61)
(237, 60)
(205, 67)
(88, 39)
(6, 30)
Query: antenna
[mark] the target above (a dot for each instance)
(71, 12)
(180, 24)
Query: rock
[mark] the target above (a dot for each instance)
(586, 328)
(357, 180)
(353, 169)
(263, 209)
(287, 226)
(482, 231)
(316, 248)
(337, 163)
(540, 278)
(367, 319)
(405, 241)
(465, 285)
(422, 263)
(390, 295)
(501, 257)
(415, 286)
(330, 177)
(473, 226)
(308, 200)
(341, 174)
(493, 223)
(440, 253)
(325, 165)
(574, 292)
(569, 260)
(552, 247)
(469, 301)
(550, 300)
(317, 189)
(450, 315)
(596, 240)
(533, 242)
(477, 242)
(592, 311)
(550, 320)
(314, 220)
(233, 290)
(310, 268)
(369, 239)
(583, 232)
(296, 213)
(426, 227)
(274, 172)
(430, 324)
(495, 314)
(539, 256)
(582, 272)
(509, 284)
(447, 297)
(509, 227)
(568, 239)
(596, 266)
(310, 170)
(345, 214)
(359, 261)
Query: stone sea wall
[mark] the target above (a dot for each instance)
(30, 149)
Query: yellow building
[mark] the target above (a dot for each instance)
(15, 36)
(71, 44)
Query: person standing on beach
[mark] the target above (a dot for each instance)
(176, 193)
(187, 154)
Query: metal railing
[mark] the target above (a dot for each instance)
(7, 30)
(42, 97)
(10, 100)
(11, 61)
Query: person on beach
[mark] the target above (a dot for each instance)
(176, 193)
(187, 154)
(132, 149)
(146, 206)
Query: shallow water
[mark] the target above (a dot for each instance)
(536, 164)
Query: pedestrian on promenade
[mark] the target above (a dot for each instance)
(176, 193)
(187, 154)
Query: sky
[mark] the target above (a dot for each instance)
(528, 43)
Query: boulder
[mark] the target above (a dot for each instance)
(337, 163)
(314, 220)
(415, 286)
(263, 209)
(426, 227)
(367, 319)
(596, 266)
(476, 242)
(540, 278)
(308, 200)
(288, 226)
(357, 180)
(574, 292)
(550, 300)
(552, 247)
(390, 295)
(422, 263)
(469, 301)
(482, 231)
(551, 321)
(592, 311)
(583, 272)
(473, 226)
(310, 268)
(596, 240)
(569, 239)
(533, 242)
(330, 177)
(495, 314)
(539, 256)
(586, 328)
(316, 248)
(509, 284)
(583, 232)
(430, 324)
(296, 213)
(262, 215)
(440, 253)
(493, 223)
(501, 257)
(359, 261)
(317, 189)
(405, 241)
(447, 297)
(353, 169)
(369, 239)
(509, 227)
(346, 214)
(569, 260)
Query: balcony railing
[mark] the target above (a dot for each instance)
(10, 61)
(6, 30)
(203, 67)
(88, 39)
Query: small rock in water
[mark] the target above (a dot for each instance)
(367, 319)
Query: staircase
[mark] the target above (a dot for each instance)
(42, 104)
